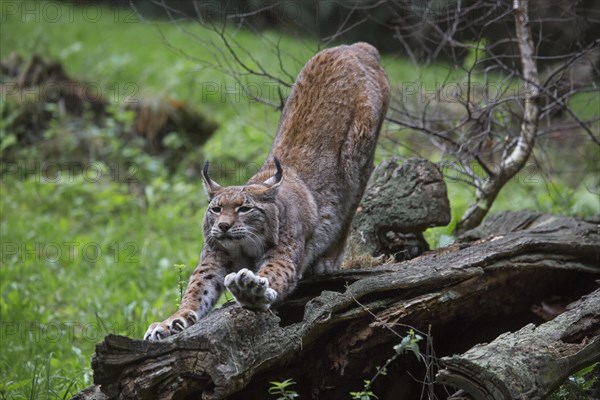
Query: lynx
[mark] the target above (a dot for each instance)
(293, 217)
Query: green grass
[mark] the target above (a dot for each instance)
(84, 257)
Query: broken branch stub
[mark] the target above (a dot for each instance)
(400, 202)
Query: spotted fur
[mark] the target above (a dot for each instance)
(292, 218)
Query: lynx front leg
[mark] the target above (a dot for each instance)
(203, 291)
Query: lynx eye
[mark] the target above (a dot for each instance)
(216, 210)
(244, 209)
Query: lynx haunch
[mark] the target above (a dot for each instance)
(292, 218)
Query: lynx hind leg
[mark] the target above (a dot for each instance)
(332, 260)
(250, 290)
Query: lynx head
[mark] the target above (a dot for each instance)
(242, 218)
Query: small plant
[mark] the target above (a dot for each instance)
(579, 386)
(281, 389)
(408, 343)
(180, 268)
(366, 393)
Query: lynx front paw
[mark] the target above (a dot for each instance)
(250, 290)
(175, 323)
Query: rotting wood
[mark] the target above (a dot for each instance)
(327, 342)
(531, 362)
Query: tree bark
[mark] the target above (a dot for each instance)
(401, 200)
(334, 331)
(529, 363)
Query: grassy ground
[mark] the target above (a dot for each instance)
(81, 256)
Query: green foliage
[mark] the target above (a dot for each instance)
(476, 54)
(74, 249)
(408, 343)
(45, 380)
(180, 281)
(281, 390)
(365, 394)
(578, 386)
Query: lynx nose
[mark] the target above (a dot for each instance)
(224, 226)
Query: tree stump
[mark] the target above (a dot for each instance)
(401, 201)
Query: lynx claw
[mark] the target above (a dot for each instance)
(176, 323)
(157, 331)
(250, 290)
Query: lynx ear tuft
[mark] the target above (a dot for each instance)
(210, 186)
(276, 179)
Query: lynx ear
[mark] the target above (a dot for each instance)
(210, 186)
(276, 179)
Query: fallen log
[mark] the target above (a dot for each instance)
(338, 328)
(531, 362)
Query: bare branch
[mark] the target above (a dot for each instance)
(524, 146)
